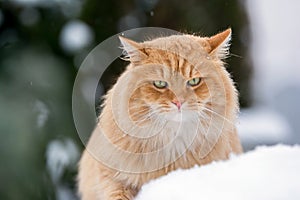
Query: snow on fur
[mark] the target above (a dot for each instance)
(266, 173)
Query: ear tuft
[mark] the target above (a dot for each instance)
(220, 44)
(132, 50)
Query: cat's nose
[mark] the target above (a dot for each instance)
(177, 103)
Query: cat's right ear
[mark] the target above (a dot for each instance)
(220, 44)
(133, 51)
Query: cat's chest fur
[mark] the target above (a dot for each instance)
(188, 160)
(176, 146)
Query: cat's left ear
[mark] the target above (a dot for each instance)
(220, 44)
(133, 51)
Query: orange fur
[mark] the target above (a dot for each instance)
(140, 136)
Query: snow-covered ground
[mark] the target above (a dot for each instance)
(266, 173)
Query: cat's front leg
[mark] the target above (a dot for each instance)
(110, 191)
(122, 194)
(117, 191)
(97, 182)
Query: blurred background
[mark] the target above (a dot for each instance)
(43, 43)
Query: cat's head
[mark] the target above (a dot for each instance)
(179, 78)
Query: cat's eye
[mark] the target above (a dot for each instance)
(194, 82)
(160, 84)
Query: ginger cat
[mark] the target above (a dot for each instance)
(174, 107)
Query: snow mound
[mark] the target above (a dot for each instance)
(266, 173)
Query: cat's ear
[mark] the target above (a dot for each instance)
(133, 51)
(220, 43)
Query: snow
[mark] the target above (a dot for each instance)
(75, 36)
(266, 173)
(61, 154)
(262, 125)
(42, 113)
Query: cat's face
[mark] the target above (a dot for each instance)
(176, 91)
(181, 78)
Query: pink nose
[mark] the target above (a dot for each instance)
(177, 103)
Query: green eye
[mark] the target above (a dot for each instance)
(160, 84)
(194, 82)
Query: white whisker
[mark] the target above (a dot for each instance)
(139, 112)
(217, 114)
(149, 116)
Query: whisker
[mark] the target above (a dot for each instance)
(212, 124)
(235, 55)
(140, 121)
(217, 114)
(140, 112)
(144, 118)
